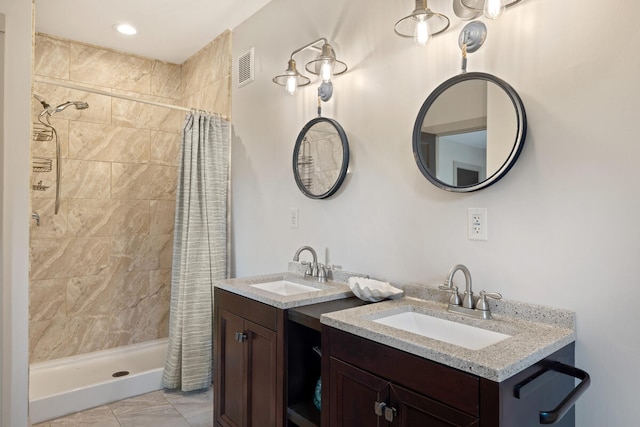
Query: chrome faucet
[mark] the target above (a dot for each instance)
(467, 305)
(467, 299)
(312, 269)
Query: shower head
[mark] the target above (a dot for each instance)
(48, 111)
(80, 105)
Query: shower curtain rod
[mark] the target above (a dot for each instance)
(116, 95)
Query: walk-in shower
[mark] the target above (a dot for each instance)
(101, 269)
(44, 131)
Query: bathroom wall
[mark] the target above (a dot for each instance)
(562, 224)
(101, 268)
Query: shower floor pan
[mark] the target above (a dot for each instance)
(71, 384)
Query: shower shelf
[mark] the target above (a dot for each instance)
(41, 164)
(39, 186)
(42, 132)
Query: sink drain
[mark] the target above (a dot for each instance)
(120, 374)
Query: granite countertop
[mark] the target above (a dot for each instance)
(327, 291)
(535, 331)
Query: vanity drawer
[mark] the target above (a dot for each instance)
(257, 312)
(450, 386)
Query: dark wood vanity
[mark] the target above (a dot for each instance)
(370, 384)
(265, 367)
(266, 372)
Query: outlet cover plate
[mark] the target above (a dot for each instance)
(477, 224)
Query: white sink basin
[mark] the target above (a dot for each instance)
(285, 288)
(443, 330)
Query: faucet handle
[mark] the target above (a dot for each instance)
(322, 272)
(482, 301)
(455, 297)
(446, 286)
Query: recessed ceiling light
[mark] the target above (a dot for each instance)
(125, 29)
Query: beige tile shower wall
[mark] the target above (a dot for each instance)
(207, 77)
(101, 268)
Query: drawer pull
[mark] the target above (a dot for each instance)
(241, 337)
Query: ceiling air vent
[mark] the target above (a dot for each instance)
(245, 68)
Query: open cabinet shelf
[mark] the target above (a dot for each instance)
(303, 364)
(304, 414)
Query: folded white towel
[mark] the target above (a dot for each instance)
(373, 290)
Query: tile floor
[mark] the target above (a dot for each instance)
(157, 409)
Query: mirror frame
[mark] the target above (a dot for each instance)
(520, 136)
(345, 158)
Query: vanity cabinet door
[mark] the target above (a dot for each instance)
(261, 370)
(359, 398)
(353, 396)
(413, 409)
(230, 376)
(248, 362)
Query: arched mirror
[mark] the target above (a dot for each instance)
(320, 158)
(469, 132)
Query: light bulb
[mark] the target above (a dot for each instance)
(421, 33)
(493, 8)
(126, 29)
(291, 86)
(326, 71)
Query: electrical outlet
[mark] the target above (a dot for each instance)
(293, 217)
(477, 224)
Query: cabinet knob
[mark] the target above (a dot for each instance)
(381, 409)
(389, 413)
(241, 337)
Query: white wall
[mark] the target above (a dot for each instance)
(502, 125)
(14, 157)
(563, 227)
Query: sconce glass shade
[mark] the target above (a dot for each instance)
(291, 79)
(421, 24)
(491, 8)
(463, 12)
(326, 65)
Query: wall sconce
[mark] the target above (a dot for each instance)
(421, 24)
(325, 65)
(492, 9)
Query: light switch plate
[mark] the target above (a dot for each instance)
(293, 217)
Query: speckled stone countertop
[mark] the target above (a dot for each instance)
(536, 332)
(327, 291)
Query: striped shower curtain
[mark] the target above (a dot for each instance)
(199, 250)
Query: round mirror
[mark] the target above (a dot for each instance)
(320, 158)
(469, 132)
